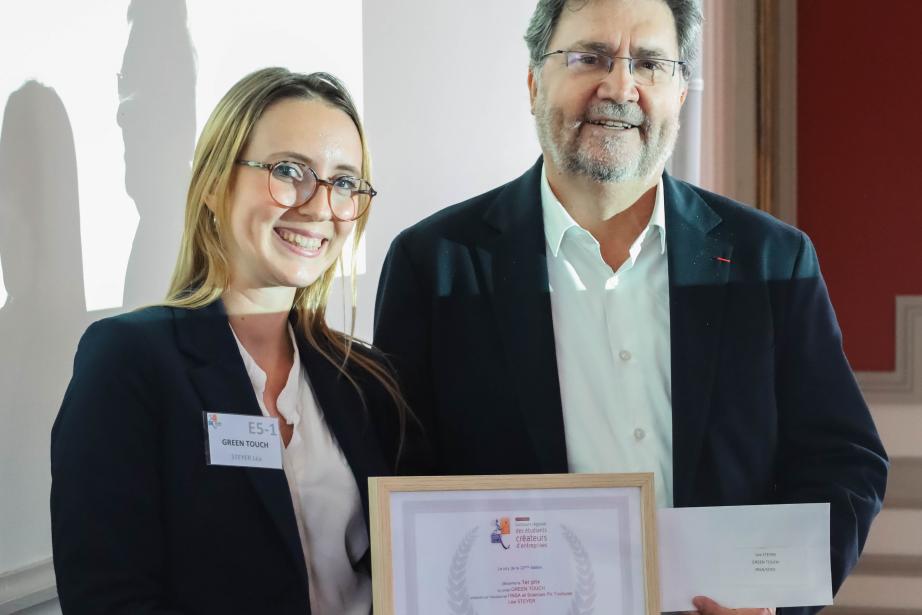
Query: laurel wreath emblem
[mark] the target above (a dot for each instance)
(584, 596)
(459, 602)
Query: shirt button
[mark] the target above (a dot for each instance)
(639, 434)
(625, 355)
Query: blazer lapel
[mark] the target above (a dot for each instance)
(517, 263)
(348, 421)
(699, 268)
(221, 380)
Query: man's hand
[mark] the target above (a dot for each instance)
(706, 606)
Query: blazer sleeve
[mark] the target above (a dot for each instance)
(402, 329)
(107, 530)
(829, 449)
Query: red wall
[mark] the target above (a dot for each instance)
(860, 161)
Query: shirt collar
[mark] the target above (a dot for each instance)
(557, 220)
(287, 401)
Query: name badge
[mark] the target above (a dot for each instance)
(243, 440)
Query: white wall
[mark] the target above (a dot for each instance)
(99, 116)
(446, 108)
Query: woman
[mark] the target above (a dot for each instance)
(144, 520)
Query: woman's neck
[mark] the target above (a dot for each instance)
(259, 318)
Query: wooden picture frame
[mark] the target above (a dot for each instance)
(423, 528)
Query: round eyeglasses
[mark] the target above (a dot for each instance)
(645, 71)
(292, 184)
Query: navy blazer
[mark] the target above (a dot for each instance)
(140, 523)
(765, 407)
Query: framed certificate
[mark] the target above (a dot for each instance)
(548, 544)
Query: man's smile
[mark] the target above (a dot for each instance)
(613, 124)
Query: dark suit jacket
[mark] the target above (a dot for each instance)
(140, 523)
(765, 407)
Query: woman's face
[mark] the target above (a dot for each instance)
(275, 246)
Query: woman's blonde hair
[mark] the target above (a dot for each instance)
(202, 270)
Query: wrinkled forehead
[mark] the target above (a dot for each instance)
(635, 27)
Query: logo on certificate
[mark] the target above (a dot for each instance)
(213, 421)
(529, 576)
(502, 528)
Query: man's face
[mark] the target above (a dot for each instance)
(606, 127)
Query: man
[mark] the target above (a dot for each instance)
(597, 315)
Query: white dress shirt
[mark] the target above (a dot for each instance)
(326, 500)
(611, 331)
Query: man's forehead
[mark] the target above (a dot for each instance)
(647, 26)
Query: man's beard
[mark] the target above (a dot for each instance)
(608, 160)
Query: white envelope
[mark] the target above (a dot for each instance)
(745, 556)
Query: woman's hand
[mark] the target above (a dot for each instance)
(706, 606)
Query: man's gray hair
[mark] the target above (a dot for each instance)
(687, 14)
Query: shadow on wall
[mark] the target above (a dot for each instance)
(156, 87)
(45, 312)
(40, 245)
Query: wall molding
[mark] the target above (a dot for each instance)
(904, 384)
(27, 586)
(776, 108)
(889, 565)
(860, 610)
(767, 34)
(904, 486)
(784, 171)
(729, 114)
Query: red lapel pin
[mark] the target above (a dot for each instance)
(721, 259)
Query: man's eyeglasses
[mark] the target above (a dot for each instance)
(645, 71)
(292, 184)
